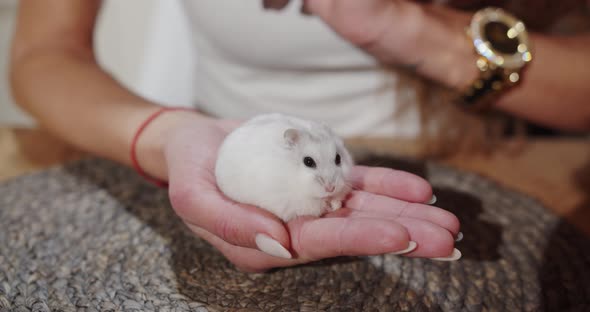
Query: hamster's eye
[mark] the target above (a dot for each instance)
(337, 160)
(309, 162)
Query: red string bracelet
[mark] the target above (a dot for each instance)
(133, 153)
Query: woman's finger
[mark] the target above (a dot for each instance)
(391, 207)
(318, 238)
(432, 240)
(393, 183)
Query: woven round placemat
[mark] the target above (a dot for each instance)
(92, 236)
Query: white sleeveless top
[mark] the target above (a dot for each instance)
(252, 61)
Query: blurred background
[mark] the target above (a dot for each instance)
(143, 43)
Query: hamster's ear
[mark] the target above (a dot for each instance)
(291, 137)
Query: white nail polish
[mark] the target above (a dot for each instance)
(432, 200)
(411, 246)
(270, 246)
(459, 237)
(456, 255)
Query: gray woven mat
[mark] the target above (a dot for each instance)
(91, 236)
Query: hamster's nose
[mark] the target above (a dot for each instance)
(330, 188)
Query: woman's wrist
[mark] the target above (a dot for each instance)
(151, 142)
(446, 51)
(433, 43)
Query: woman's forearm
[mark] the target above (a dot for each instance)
(56, 78)
(555, 89)
(68, 93)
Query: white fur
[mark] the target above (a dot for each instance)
(256, 165)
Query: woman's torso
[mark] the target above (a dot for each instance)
(251, 61)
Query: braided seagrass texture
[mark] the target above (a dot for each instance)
(91, 236)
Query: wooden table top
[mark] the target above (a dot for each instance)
(554, 171)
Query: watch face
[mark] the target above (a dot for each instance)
(496, 34)
(500, 38)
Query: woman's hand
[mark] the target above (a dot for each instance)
(430, 39)
(425, 37)
(381, 216)
(365, 23)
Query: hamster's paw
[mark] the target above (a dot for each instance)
(335, 204)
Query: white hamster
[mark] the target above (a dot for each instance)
(286, 165)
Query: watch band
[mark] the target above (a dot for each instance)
(503, 49)
(488, 86)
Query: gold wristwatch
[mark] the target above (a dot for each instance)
(503, 48)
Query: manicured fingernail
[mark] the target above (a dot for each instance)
(459, 237)
(270, 246)
(411, 246)
(456, 255)
(432, 200)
